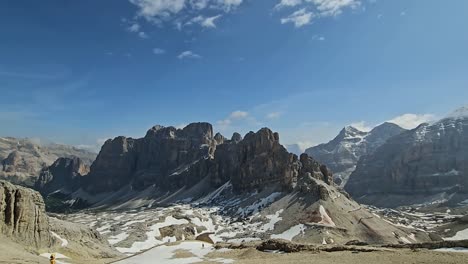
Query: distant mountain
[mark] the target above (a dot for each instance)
(426, 164)
(21, 160)
(343, 152)
(295, 149)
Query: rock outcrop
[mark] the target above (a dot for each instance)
(64, 176)
(23, 217)
(343, 152)
(422, 165)
(171, 158)
(25, 225)
(163, 153)
(21, 160)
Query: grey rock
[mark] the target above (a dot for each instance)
(64, 176)
(429, 160)
(236, 137)
(157, 159)
(22, 160)
(23, 217)
(343, 152)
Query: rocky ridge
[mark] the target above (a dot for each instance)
(342, 153)
(21, 160)
(423, 165)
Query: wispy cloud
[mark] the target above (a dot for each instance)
(143, 35)
(188, 55)
(362, 126)
(273, 115)
(410, 121)
(158, 51)
(135, 27)
(299, 18)
(314, 9)
(234, 116)
(178, 12)
(288, 3)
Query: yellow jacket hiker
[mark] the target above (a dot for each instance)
(52, 259)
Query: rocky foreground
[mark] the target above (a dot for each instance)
(27, 230)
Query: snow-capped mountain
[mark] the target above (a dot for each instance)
(343, 152)
(426, 164)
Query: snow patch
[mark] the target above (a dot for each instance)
(326, 219)
(291, 232)
(63, 240)
(460, 235)
(254, 208)
(117, 238)
(166, 254)
(455, 249)
(151, 240)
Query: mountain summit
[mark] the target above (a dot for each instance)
(426, 164)
(343, 152)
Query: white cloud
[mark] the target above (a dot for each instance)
(188, 55)
(209, 21)
(227, 5)
(93, 147)
(315, 9)
(158, 51)
(142, 35)
(199, 4)
(334, 7)
(153, 9)
(273, 115)
(288, 3)
(234, 116)
(206, 22)
(410, 121)
(135, 27)
(362, 126)
(299, 18)
(238, 115)
(176, 11)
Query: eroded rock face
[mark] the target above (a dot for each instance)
(21, 160)
(257, 161)
(343, 152)
(428, 160)
(23, 217)
(164, 152)
(171, 158)
(64, 175)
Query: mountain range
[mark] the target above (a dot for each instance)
(21, 160)
(342, 153)
(426, 164)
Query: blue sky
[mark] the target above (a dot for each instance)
(78, 72)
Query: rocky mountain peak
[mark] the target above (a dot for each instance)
(236, 137)
(63, 175)
(343, 152)
(219, 138)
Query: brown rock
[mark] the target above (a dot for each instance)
(22, 216)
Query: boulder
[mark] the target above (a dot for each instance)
(23, 217)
